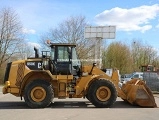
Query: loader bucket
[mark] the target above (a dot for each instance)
(137, 93)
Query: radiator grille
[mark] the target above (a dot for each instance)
(20, 74)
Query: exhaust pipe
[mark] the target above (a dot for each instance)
(36, 52)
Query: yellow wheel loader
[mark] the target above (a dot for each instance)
(59, 74)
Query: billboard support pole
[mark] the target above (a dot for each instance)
(99, 33)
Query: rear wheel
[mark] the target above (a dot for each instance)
(102, 93)
(38, 94)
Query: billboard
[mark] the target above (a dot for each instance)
(103, 32)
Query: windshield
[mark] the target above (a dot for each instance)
(129, 76)
(52, 53)
(75, 60)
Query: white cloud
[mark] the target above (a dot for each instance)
(134, 19)
(34, 44)
(157, 26)
(28, 31)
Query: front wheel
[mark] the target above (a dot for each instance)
(38, 94)
(102, 93)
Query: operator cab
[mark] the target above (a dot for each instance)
(63, 59)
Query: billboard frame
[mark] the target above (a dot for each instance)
(104, 32)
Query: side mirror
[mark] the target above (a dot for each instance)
(94, 64)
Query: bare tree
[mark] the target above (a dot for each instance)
(24, 51)
(10, 34)
(71, 30)
(142, 54)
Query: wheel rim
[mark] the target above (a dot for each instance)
(103, 93)
(38, 94)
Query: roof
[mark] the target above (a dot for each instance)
(62, 44)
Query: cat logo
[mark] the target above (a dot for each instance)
(39, 65)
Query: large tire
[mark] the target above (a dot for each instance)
(38, 94)
(87, 96)
(102, 93)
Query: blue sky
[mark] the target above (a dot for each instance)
(135, 19)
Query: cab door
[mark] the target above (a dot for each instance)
(63, 60)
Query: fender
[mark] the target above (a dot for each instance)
(85, 82)
(34, 75)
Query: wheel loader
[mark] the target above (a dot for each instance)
(58, 73)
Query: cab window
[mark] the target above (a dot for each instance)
(63, 53)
